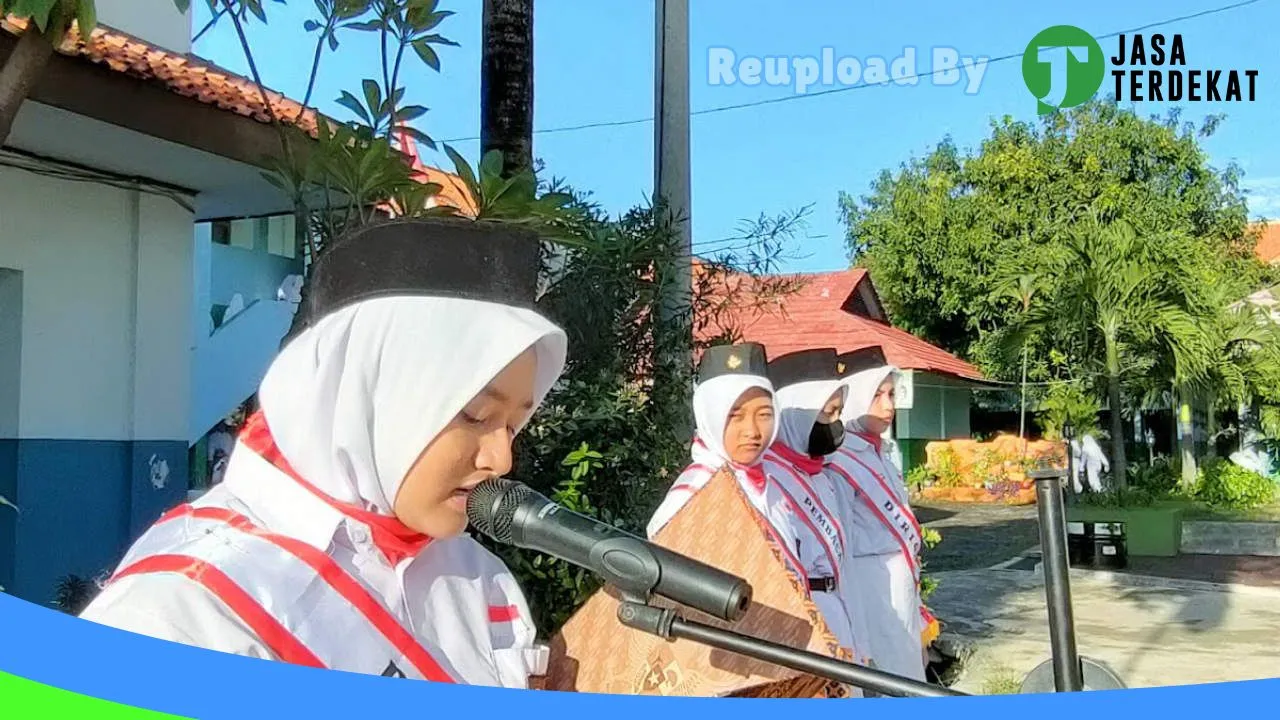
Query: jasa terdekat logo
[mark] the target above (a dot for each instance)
(1064, 66)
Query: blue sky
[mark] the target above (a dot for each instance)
(594, 63)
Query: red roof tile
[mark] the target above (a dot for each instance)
(191, 77)
(822, 313)
(1269, 243)
(183, 74)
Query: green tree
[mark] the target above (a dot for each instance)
(1120, 217)
(942, 232)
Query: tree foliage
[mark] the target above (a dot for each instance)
(608, 440)
(1134, 245)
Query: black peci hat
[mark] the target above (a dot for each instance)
(741, 359)
(439, 257)
(803, 366)
(858, 360)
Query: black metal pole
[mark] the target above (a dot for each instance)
(665, 623)
(1067, 672)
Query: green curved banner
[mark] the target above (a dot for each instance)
(21, 699)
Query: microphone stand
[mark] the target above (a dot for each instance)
(669, 625)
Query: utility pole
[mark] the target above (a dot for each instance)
(671, 149)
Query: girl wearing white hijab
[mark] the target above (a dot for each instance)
(809, 402)
(735, 417)
(884, 536)
(336, 539)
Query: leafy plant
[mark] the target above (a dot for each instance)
(1160, 478)
(1224, 485)
(1119, 498)
(73, 594)
(928, 583)
(946, 468)
(1068, 402)
(921, 476)
(53, 18)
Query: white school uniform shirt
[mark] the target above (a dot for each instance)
(810, 510)
(457, 599)
(885, 600)
(267, 566)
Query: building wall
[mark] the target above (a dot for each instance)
(157, 21)
(254, 262)
(103, 372)
(939, 411)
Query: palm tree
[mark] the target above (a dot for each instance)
(1022, 288)
(1115, 306)
(506, 83)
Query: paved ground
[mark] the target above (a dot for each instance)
(1152, 632)
(1161, 621)
(977, 536)
(1238, 569)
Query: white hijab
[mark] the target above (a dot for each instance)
(354, 400)
(862, 388)
(712, 402)
(799, 406)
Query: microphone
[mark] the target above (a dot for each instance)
(514, 514)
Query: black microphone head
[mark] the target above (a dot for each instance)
(492, 504)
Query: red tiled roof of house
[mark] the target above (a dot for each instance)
(183, 74)
(191, 77)
(1269, 243)
(821, 312)
(453, 192)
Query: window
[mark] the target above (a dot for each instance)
(220, 231)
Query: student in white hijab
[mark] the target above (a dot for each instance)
(336, 539)
(809, 398)
(884, 536)
(736, 422)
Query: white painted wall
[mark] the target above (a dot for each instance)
(10, 351)
(155, 21)
(105, 272)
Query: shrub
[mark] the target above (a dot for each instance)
(928, 583)
(1119, 498)
(947, 470)
(920, 476)
(1159, 478)
(1225, 485)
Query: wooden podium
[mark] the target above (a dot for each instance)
(594, 652)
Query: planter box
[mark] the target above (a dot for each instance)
(1149, 531)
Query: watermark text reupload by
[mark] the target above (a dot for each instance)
(809, 73)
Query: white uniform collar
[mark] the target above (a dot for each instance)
(278, 502)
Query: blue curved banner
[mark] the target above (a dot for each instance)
(57, 651)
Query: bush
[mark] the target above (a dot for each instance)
(1159, 478)
(1068, 402)
(1223, 484)
(1133, 497)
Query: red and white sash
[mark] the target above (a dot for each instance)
(885, 504)
(817, 522)
(303, 606)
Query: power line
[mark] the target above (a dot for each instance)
(862, 86)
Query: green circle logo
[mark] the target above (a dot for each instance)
(1063, 67)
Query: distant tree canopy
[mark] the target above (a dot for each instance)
(1099, 243)
(947, 234)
